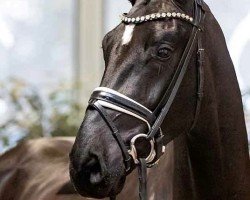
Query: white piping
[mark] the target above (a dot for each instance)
(122, 110)
(105, 89)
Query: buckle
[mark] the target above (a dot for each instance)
(201, 55)
(133, 150)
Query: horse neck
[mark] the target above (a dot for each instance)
(217, 147)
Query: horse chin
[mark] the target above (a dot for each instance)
(101, 191)
(118, 188)
(107, 188)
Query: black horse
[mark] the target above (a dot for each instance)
(209, 155)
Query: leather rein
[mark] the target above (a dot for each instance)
(103, 98)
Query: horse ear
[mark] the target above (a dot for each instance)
(132, 2)
(185, 4)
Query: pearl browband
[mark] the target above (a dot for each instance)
(154, 16)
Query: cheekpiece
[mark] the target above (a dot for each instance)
(155, 16)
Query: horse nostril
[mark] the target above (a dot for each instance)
(90, 164)
(93, 169)
(95, 178)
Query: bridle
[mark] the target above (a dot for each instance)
(103, 98)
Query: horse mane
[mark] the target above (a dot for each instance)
(221, 127)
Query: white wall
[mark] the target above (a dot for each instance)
(112, 10)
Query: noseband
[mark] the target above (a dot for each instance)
(103, 98)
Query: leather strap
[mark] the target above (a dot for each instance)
(174, 86)
(142, 172)
(180, 75)
(115, 133)
(200, 90)
(124, 103)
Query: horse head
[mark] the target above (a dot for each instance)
(144, 95)
(140, 61)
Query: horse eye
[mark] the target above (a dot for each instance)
(164, 52)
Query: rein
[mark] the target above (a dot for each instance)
(103, 98)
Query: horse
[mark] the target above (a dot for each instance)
(168, 73)
(38, 170)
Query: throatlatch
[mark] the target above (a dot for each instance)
(103, 98)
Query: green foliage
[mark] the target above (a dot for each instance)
(28, 113)
(65, 122)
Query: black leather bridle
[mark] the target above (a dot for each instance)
(103, 98)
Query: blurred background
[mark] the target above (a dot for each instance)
(51, 60)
